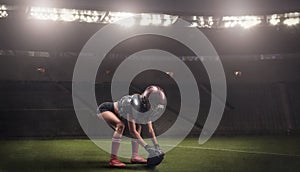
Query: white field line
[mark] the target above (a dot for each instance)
(238, 151)
(225, 150)
(222, 149)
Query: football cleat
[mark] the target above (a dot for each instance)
(116, 163)
(138, 160)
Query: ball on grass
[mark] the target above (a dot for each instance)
(153, 161)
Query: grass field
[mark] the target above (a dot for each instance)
(251, 153)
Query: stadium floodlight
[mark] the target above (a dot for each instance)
(3, 11)
(274, 19)
(230, 21)
(202, 21)
(145, 19)
(249, 23)
(3, 7)
(112, 17)
(292, 15)
(68, 15)
(3, 14)
(157, 19)
(242, 21)
(89, 16)
(167, 20)
(210, 21)
(128, 22)
(291, 18)
(291, 21)
(205, 22)
(194, 24)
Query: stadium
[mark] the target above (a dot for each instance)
(229, 71)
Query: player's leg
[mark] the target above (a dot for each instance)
(135, 158)
(118, 126)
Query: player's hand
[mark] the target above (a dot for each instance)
(157, 148)
(151, 151)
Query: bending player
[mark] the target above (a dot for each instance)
(136, 109)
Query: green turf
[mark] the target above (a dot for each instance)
(218, 154)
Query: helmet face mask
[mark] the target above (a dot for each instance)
(157, 100)
(158, 109)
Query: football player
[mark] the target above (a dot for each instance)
(137, 109)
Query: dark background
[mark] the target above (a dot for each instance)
(264, 99)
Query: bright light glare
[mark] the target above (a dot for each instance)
(145, 19)
(275, 19)
(157, 19)
(128, 22)
(203, 21)
(3, 11)
(291, 18)
(115, 16)
(210, 21)
(167, 22)
(89, 16)
(3, 14)
(249, 23)
(3, 7)
(291, 21)
(193, 24)
(243, 21)
(69, 15)
(292, 15)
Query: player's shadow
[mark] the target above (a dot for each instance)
(52, 165)
(134, 167)
(72, 165)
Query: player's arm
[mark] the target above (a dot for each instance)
(152, 134)
(157, 156)
(134, 133)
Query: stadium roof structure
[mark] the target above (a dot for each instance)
(202, 14)
(23, 25)
(174, 7)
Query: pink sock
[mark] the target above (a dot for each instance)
(135, 147)
(115, 148)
